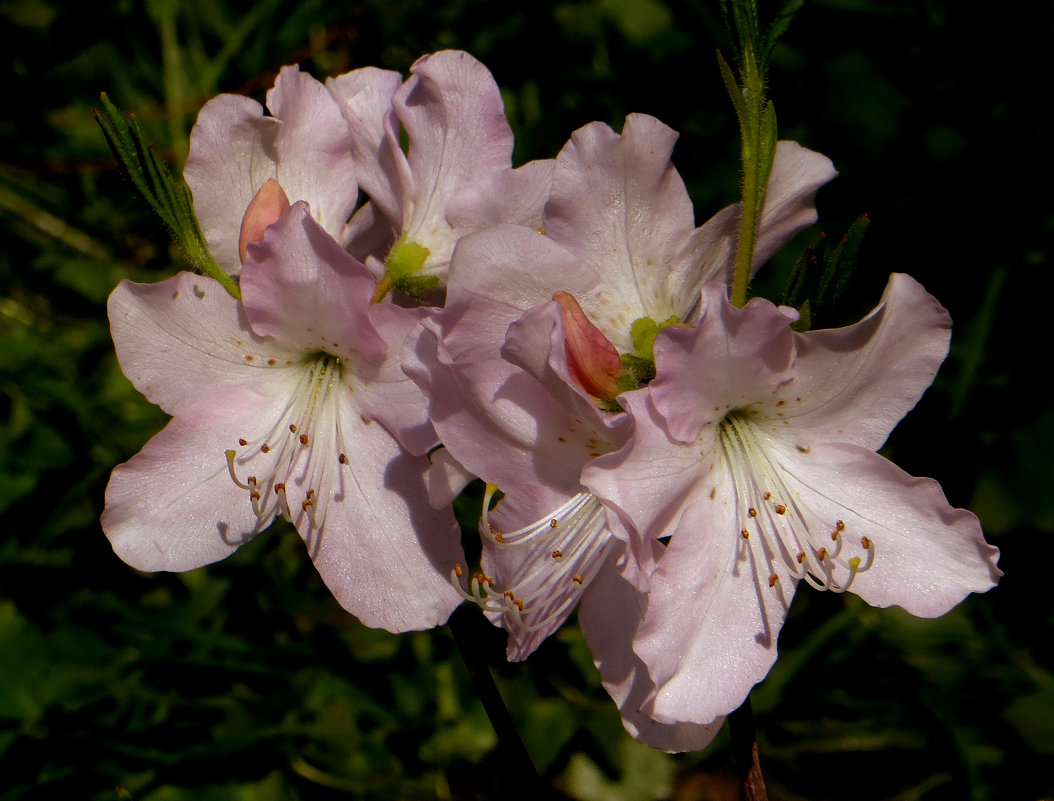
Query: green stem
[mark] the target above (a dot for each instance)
(753, 190)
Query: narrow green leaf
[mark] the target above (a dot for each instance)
(778, 27)
(767, 137)
(799, 282)
(745, 23)
(167, 195)
(840, 264)
(735, 93)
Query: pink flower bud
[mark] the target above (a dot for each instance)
(591, 358)
(269, 203)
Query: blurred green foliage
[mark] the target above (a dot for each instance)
(244, 680)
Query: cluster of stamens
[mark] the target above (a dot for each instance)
(775, 527)
(559, 555)
(287, 458)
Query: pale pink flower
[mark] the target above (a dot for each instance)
(522, 386)
(456, 175)
(754, 453)
(291, 402)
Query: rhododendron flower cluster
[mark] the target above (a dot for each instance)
(415, 312)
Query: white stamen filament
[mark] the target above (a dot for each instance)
(298, 451)
(790, 537)
(555, 565)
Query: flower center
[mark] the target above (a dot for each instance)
(557, 557)
(778, 532)
(287, 466)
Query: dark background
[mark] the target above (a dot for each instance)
(244, 680)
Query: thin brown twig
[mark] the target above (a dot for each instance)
(745, 750)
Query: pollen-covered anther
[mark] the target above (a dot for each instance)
(310, 506)
(459, 571)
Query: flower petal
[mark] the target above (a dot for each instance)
(384, 552)
(365, 98)
(173, 506)
(536, 342)
(618, 203)
(301, 287)
(234, 149)
(790, 201)
(720, 582)
(790, 207)
(315, 162)
(185, 337)
(927, 555)
(862, 379)
(232, 154)
(500, 423)
(506, 196)
(731, 359)
(454, 116)
(610, 612)
(495, 276)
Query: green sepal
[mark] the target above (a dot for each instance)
(610, 405)
(643, 331)
(804, 321)
(627, 382)
(642, 370)
(415, 284)
(820, 275)
(168, 196)
(405, 261)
